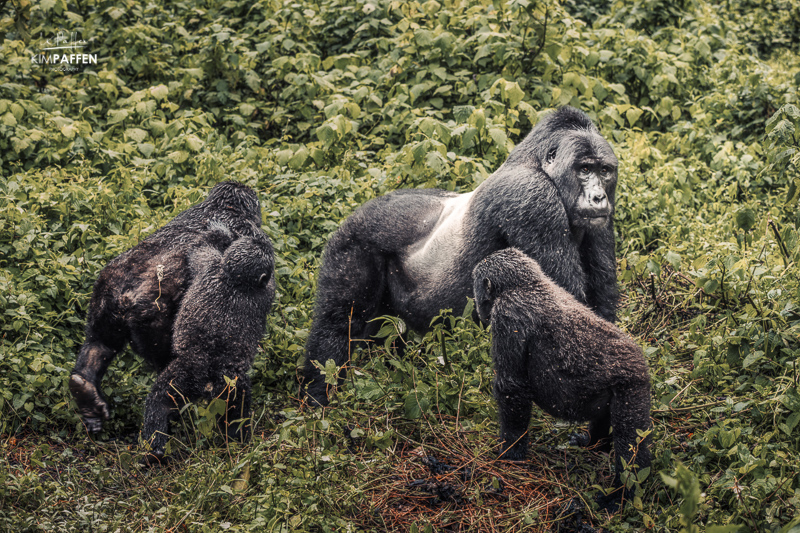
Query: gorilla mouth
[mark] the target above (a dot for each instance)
(594, 217)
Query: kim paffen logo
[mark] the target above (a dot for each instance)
(64, 53)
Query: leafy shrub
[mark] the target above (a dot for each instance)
(321, 106)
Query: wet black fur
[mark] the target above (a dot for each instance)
(217, 331)
(533, 201)
(550, 349)
(130, 304)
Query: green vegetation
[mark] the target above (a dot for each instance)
(321, 105)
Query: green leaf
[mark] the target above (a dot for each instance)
(9, 120)
(299, 158)
(423, 38)
(653, 267)
(499, 137)
(633, 115)
(783, 132)
(745, 219)
(69, 131)
(723, 529)
(702, 47)
(17, 110)
(135, 134)
(752, 357)
(117, 115)
(193, 142)
(159, 92)
(791, 111)
(462, 112)
(178, 156)
(514, 94)
(791, 423)
(415, 404)
(617, 88)
(331, 372)
(483, 51)
(217, 407)
(247, 110)
(284, 156)
(791, 400)
(673, 259)
(326, 135)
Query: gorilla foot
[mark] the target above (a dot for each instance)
(315, 396)
(611, 503)
(93, 407)
(579, 439)
(584, 440)
(513, 455)
(155, 458)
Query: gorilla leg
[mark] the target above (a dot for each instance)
(239, 400)
(350, 288)
(514, 410)
(93, 359)
(171, 391)
(630, 410)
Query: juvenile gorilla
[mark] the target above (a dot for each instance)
(551, 350)
(137, 295)
(217, 330)
(411, 253)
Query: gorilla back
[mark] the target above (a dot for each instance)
(411, 252)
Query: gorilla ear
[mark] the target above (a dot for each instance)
(551, 155)
(264, 279)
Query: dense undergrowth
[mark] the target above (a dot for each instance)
(321, 105)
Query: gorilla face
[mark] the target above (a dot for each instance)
(597, 178)
(584, 168)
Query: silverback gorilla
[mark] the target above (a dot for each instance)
(411, 252)
(219, 325)
(138, 294)
(551, 350)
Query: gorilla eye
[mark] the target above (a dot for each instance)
(584, 169)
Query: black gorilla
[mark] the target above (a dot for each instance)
(137, 295)
(217, 330)
(550, 349)
(411, 252)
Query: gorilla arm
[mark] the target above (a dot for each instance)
(511, 386)
(526, 211)
(600, 264)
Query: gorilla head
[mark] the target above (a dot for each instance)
(248, 262)
(233, 204)
(580, 162)
(510, 270)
